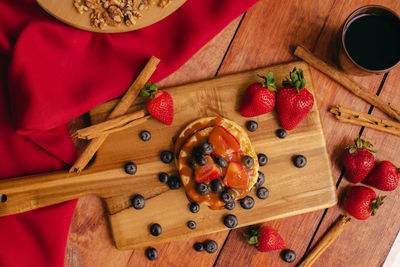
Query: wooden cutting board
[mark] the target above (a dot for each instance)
(292, 190)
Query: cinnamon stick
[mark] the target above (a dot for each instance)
(120, 109)
(326, 241)
(349, 84)
(364, 119)
(113, 125)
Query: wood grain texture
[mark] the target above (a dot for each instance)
(66, 12)
(199, 67)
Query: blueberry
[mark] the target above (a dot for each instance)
(155, 229)
(202, 189)
(201, 161)
(145, 135)
(163, 177)
(288, 255)
(166, 156)
(299, 161)
(210, 246)
(247, 161)
(207, 148)
(262, 159)
(198, 246)
(262, 193)
(192, 225)
(151, 253)
(221, 162)
(251, 126)
(174, 182)
(225, 197)
(130, 168)
(247, 202)
(281, 133)
(194, 207)
(230, 205)
(230, 221)
(260, 179)
(138, 202)
(216, 186)
(3, 197)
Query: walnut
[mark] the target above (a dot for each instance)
(115, 13)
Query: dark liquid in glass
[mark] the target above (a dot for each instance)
(373, 41)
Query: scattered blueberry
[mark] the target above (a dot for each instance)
(262, 193)
(230, 221)
(152, 253)
(210, 246)
(174, 182)
(262, 159)
(216, 186)
(166, 156)
(288, 255)
(130, 168)
(192, 225)
(299, 161)
(145, 135)
(230, 205)
(281, 133)
(202, 189)
(198, 246)
(247, 161)
(207, 148)
(221, 162)
(201, 161)
(247, 202)
(3, 197)
(260, 179)
(155, 229)
(163, 177)
(194, 207)
(251, 126)
(225, 197)
(138, 202)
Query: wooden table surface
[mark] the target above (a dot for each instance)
(264, 35)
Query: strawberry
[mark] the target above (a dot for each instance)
(223, 141)
(159, 103)
(293, 101)
(384, 176)
(208, 172)
(259, 97)
(265, 239)
(236, 176)
(358, 160)
(361, 202)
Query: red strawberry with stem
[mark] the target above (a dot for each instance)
(259, 97)
(293, 101)
(159, 103)
(361, 202)
(358, 160)
(384, 176)
(265, 239)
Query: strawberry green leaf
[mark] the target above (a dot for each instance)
(269, 81)
(144, 93)
(376, 203)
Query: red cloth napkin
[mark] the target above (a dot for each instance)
(52, 73)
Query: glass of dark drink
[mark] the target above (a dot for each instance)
(370, 41)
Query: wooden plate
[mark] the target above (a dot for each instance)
(65, 11)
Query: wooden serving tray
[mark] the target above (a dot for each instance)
(292, 190)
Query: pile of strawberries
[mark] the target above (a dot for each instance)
(293, 101)
(360, 201)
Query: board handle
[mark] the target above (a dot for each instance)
(32, 192)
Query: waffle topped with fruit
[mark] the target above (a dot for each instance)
(216, 161)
